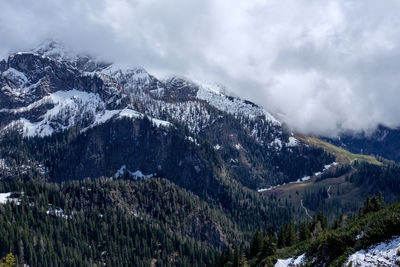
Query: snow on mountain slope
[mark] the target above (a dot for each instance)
(137, 78)
(382, 254)
(133, 80)
(70, 108)
(15, 76)
(98, 91)
(233, 105)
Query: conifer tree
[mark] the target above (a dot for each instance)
(256, 244)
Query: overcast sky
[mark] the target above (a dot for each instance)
(328, 65)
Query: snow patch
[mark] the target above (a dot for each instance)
(277, 143)
(3, 164)
(57, 212)
(269, 188)
(136, 115)
(217, 147)
(6, 197)
(305, 178)
(326, 167)
(265, 189)
(382, 254)
(292, 142)
(160, 123)
(298, 261)
(137, 174)
(193, 140)
(130, 113)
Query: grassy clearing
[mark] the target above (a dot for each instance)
(342, 155)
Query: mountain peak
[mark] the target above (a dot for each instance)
(57, 50)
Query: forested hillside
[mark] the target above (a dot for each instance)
(316, 243)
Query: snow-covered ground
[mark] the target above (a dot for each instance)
(69, 108)
(299, 260)
(72, 108)
(58, 212)
(326, 167)
(6, 197)
(232, 105)
(305, 178)
(382, 254)
(292, 142)
(136, 174)
(266, 189)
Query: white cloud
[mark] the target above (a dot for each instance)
(328, 65)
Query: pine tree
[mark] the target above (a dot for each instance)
(268, 248)
(291, 235)
(373, 204)
(256, 244)
(304, 231)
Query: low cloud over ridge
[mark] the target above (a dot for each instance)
(329, 66)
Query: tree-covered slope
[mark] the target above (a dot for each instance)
(93, 223)
(316, 244)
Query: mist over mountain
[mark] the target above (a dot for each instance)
(328, 67)
(209, 133)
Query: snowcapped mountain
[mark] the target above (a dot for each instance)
(53, 90)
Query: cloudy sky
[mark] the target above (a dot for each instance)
(329, 65)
